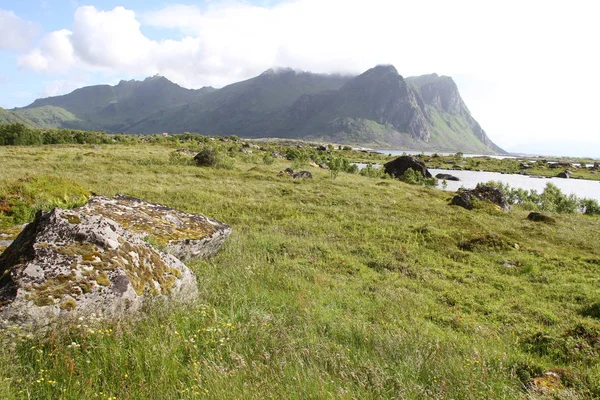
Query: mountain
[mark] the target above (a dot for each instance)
(11, 117)
(378, 108)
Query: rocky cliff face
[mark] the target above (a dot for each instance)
(441, 93)
(382, 95)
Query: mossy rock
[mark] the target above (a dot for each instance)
(186, 236)
(71, 263)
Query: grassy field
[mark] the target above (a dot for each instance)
(351, 288)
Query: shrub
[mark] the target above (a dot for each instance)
(207, 157)
(590, 206)
(416, 178)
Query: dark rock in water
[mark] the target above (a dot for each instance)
(97, 259)
(537, 217)
(296, 175)
(398, 167)
(447, 177)
(565, 175)
(482, 193)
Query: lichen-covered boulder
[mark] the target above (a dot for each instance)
(398, 167)
(466, 198)
(186, 236)
(73, 263)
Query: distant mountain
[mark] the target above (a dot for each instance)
(11, 117)
(378, 108)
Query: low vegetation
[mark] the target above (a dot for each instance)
(353, 287)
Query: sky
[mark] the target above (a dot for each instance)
(527, 70)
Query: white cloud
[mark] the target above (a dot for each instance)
(54, 54)
(15, 33)
(527, 70)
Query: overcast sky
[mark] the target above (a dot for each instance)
(527, 70)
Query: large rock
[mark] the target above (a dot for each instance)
(186, 236)
(447, 177)
(398, 167)
(481, 193)
(97, 259)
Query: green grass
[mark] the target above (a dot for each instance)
(348, 288)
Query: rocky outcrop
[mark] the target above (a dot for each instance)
(103, 259)
(564, 175)
(467, 198)
(398, 167)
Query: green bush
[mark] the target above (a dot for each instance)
(590, 206)
(372, 172)
(207, 157)
(551, 199)
(416, 178)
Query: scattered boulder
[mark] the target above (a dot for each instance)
(482, 193)
(296, 175)
(98, 259)
(302, 175)
(277, 155)
(565, 174)
(245, 150)
(447, 177)
(251, 146)
(322, 148)
(187, 151)
(398, 167)
(548, 384)
(538, 217)
(525, 166)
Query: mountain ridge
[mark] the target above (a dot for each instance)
(378, 108)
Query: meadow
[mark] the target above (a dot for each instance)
(346, 286)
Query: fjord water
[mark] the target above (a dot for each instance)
(469, 179)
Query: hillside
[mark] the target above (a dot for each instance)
(349, 288)
(11, 117)
(378, 108)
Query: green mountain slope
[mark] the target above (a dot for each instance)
(116, 108)
(11, 117)
(48, 116)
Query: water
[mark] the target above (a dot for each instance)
(469, 179)
(430, 153)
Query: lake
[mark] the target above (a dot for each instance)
(430, 153)
(470, 179)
